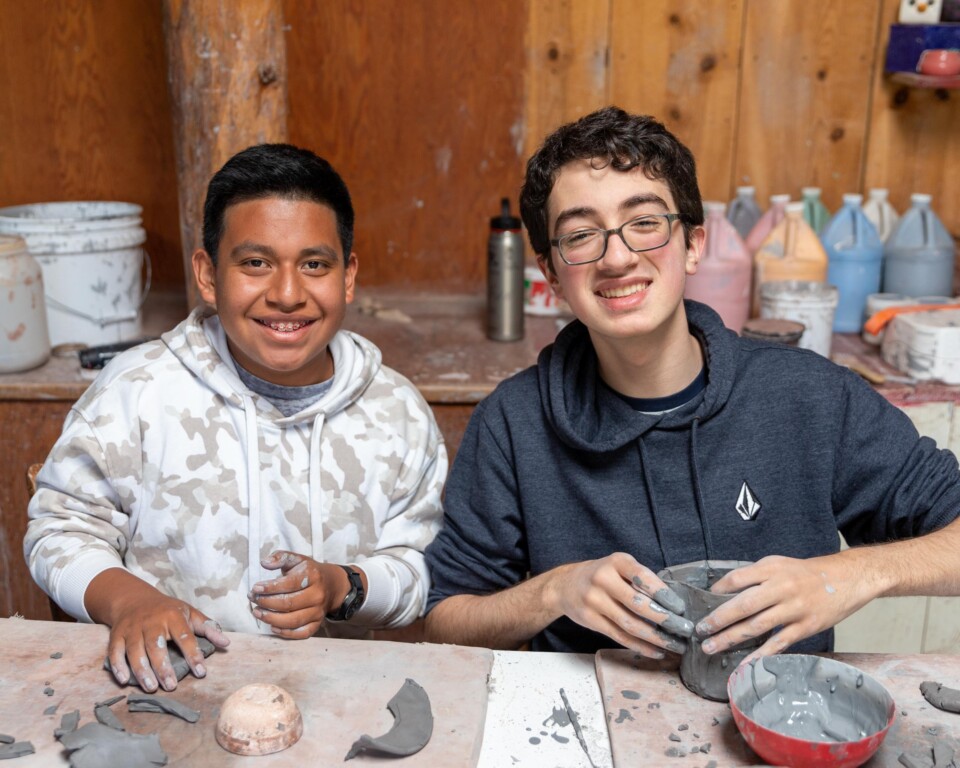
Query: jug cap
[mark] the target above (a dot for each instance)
(920, 198)
(779, 199)
(852, 198)
(796, 207)
(810, 191)
(714, 206)
(879, 193)
(747, 190)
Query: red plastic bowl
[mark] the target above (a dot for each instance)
(745, 688)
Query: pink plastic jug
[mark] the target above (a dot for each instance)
(722, 280)
(792, 251)
(773, 216)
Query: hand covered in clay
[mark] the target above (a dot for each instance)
(296, 603)
(143, 621)
(626, 602)
(797, 598)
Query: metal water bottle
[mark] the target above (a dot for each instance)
(505, 277)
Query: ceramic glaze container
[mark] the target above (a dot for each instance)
(855, 256)
(24, 341)
(706, 675)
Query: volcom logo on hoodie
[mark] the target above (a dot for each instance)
(747, 503)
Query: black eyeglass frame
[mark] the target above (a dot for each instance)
(557, 241)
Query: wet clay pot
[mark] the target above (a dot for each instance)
(706, 675)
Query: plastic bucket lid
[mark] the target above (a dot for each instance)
(81, 216)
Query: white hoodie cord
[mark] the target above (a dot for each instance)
(315, 491)
(253, 478)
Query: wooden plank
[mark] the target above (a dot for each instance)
(913, 144)
(420, 108)
(804, 96)
(567, 74)
(680, 62)
(340, 686)
(228, 83)
(664, 704)
(86, 114)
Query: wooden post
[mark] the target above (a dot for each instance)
(228, 85)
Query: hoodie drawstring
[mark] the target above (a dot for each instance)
(697, 492)
(652, 501)
(253, 488)
(315, 491)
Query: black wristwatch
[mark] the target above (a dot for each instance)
(354, 599)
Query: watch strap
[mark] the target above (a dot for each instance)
(354, 599)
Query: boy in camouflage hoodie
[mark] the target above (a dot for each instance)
(256, 469)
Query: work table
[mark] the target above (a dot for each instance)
(490, 708)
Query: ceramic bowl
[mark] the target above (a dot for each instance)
(944, 62)
(854, 705)
(259, 719)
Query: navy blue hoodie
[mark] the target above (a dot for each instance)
(780, 451)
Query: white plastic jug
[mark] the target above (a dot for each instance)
(24, 341)
(881, 213)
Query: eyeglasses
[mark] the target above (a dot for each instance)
(644, 233)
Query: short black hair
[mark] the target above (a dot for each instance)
(610, 136)
(275, 170)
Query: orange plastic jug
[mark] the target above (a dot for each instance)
(722, 280)
(792, 251)
(771, 217)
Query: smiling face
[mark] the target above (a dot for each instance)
(624, 295)
(280, 287)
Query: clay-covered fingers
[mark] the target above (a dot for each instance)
(294, 626)
(656, 602)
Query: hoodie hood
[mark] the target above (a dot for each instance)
(589, 417)
(200, 343)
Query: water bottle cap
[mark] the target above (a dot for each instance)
(919, 198)
(879, 193)
(779, 199)
(714, 206)
(795, 208)
(505, 220)
(748, 191)
(811, 191)
(852, 198)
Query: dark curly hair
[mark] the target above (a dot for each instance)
(610, 136)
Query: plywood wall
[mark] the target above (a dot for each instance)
(430, 109)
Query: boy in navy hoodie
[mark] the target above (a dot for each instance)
(650, 435)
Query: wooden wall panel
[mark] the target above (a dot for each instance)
(804, 96)
(85, 113)
(914, 140)
(420, 107)
(566, 65)
(679, 62)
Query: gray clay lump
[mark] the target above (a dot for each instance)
(412, 725)
(97, 746)
(947, 699)
(180, 667)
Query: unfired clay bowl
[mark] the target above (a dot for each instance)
(943, 62)
(779, 702)
(259, 719)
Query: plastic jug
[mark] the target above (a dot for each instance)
(855, 256)
(765, 224)
(880, 213)
(722, 280)
(744, 212)
(792, 251)
(918, 255)
(815, 213)
(24, 342)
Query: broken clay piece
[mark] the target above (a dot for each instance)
(180, 666)
(947, 699)
(412, 726)
(97, 746)
(144, 702)
(259, 719)
(16, 749)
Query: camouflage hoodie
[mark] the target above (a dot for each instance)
(170, 467)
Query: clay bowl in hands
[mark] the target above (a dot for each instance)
(259, 719)
(809, 711)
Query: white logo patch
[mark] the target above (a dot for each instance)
(747, 503)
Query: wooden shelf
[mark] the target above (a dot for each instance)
(916, 80)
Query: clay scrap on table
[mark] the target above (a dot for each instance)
(939, 756)
(180, 666)
(15, 749)
(947, 699)
(106, 717)
(412, 726)
(144, 702)
(68, 723)
(97, 746)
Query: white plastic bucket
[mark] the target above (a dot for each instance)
(804, 301)
(92, 258)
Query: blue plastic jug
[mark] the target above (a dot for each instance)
(743, 211)
(854, 262)
(918, 255)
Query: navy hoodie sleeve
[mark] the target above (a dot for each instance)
(482, 547)
(889, 482)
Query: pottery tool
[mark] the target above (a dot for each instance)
(876, 323)
(576, 727)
